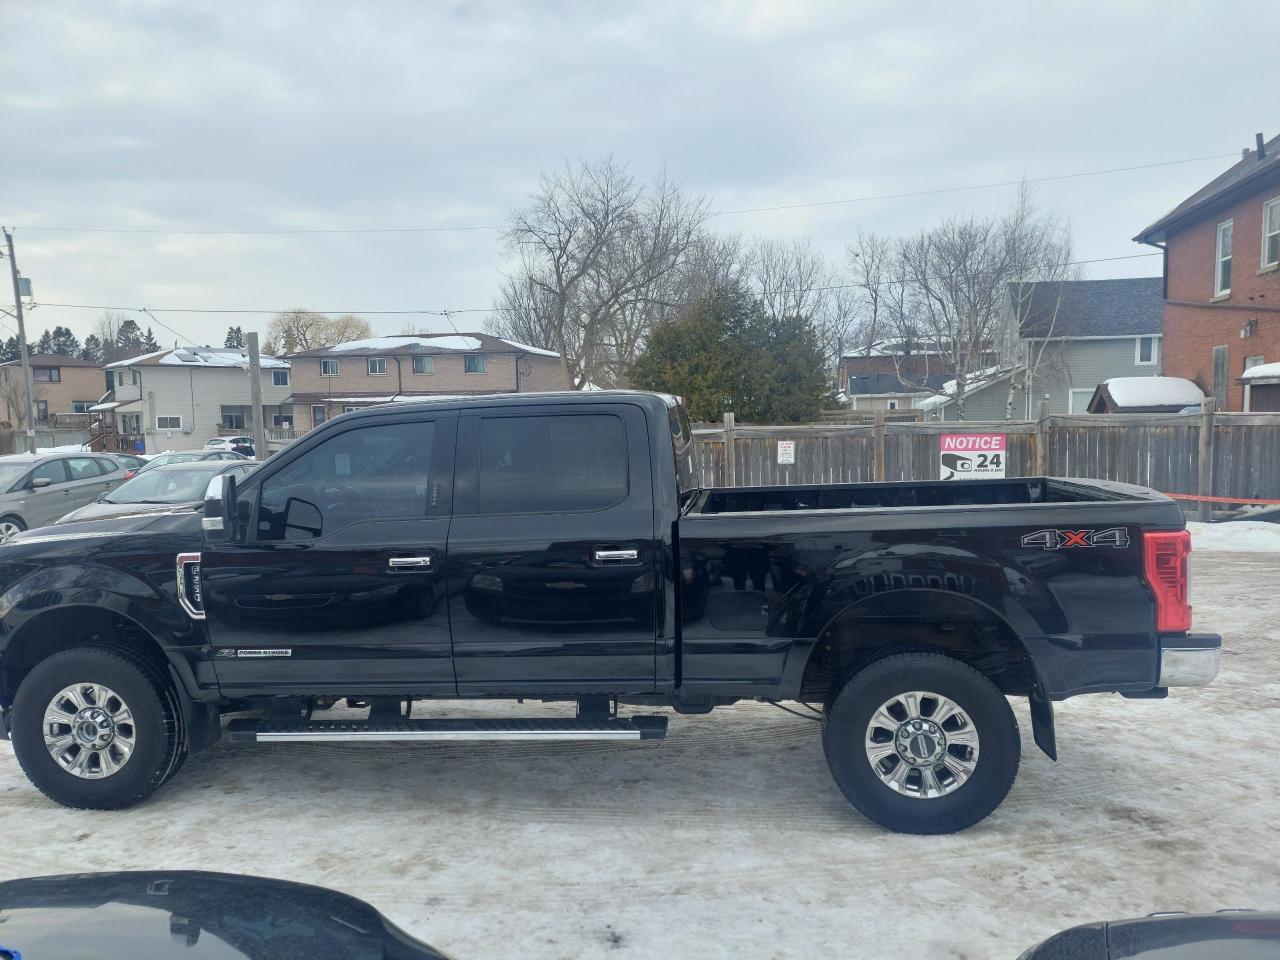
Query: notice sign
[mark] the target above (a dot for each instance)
(973, 456)
(786, 451)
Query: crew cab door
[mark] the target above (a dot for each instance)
(551, 551)
(336, 581)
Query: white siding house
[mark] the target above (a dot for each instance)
(179, 399)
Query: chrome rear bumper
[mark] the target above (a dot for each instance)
(1190, 661)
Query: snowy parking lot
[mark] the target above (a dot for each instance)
(729, 838)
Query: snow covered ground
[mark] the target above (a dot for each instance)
(1236, 536)
(729, 839)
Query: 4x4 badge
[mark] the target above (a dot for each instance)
(1052, 539)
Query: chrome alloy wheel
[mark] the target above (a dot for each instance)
(922, 745)
(89, 730)
(8, 530)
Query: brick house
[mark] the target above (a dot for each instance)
(1222, 281)
(889, 375)
(346, 376)
(60, 385)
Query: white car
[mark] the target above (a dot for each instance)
(228, 443)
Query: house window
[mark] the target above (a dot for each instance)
(1145, 351)
(317, 414)
(423, 364)
(46, 374)
(233, 417)
(348, 409)
(1254, 361)
(473, 363)
(81, 406)
(328, 368)
(168, 423)
(279, 378)
(42, 409)
(131, 423)
(377, 366)
(891, 405)
(283, 421)
(1222, 261)
(1271, 233)
(1078, 400)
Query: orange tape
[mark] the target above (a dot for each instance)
(1190, 496)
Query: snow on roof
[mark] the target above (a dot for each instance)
(1261, 370)
(976, 381)
(528, 349)
(200, 357)
(1153, 392)
(442, 342)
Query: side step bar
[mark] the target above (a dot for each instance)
(330, 731)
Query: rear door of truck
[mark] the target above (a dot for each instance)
(551, 558)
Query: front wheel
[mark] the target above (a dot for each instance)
(97, 729)
(10, 527)
(922, 743)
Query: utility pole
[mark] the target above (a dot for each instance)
(22, 341)
(255, 397)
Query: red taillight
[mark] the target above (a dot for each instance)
(1164, 560)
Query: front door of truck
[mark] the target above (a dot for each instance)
(337, 581)
(551, 551)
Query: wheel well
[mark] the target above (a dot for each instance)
(949, 624)
(67, 627)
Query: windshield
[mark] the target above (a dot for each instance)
(162, 486)
(11, 473)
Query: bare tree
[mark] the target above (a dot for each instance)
(14, 396)
(107, 330)
(593, 250)
(299, 330)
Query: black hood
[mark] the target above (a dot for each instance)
(177, 519)
(105, 510)
(190, 915)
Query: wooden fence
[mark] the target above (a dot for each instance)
(1200, 454)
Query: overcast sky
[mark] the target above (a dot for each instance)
(261, 116)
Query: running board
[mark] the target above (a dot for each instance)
(330, 731)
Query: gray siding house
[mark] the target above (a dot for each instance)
(1071, 336)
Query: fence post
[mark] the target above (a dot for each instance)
(1204, 487)
(1040, 466)
(730, 459)
(878, 469)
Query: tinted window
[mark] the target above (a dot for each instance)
(552, 464)
(371, 473)
(52, 470)
(83, 468)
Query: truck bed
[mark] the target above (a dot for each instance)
(846, 496)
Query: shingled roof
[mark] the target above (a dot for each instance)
(1241, 175)
(1129, 307)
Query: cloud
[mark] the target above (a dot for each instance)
(225, 116)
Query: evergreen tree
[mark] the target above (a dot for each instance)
(727, 353)
(11, 350)
(129, 339)
(64, 342)
(45, 343)
(92, 349)
(149, 342)
(235, 338)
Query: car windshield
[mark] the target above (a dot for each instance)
(11, 473)
(166, 458)
(162, 486)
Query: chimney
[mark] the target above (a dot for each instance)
(1262, 147)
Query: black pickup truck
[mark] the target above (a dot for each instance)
(556, 547)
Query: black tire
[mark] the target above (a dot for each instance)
(845, 731)
(16, 521)
(159, 746)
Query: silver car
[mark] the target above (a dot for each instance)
(37, 490)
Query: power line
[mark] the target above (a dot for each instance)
(447, 313)
(153, 231)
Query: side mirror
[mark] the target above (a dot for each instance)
(303, 515)
(218, 522)
(38, 483)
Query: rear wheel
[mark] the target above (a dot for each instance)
(10, 527)
(94, 728)
(922, 743)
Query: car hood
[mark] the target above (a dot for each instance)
(100, 510)
(156, 915)
(180, 520)
(1230, 935)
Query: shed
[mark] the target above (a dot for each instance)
(1145, 395)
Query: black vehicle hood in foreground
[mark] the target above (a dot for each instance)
(192, 915)
(176, 519)
(1234, 935)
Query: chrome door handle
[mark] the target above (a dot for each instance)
(409, 563)
(602, 556)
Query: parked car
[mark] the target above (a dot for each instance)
(366, 561)
(37, 490)
(241, 444)
(131, 462)
(171, 486)
(189, 456)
